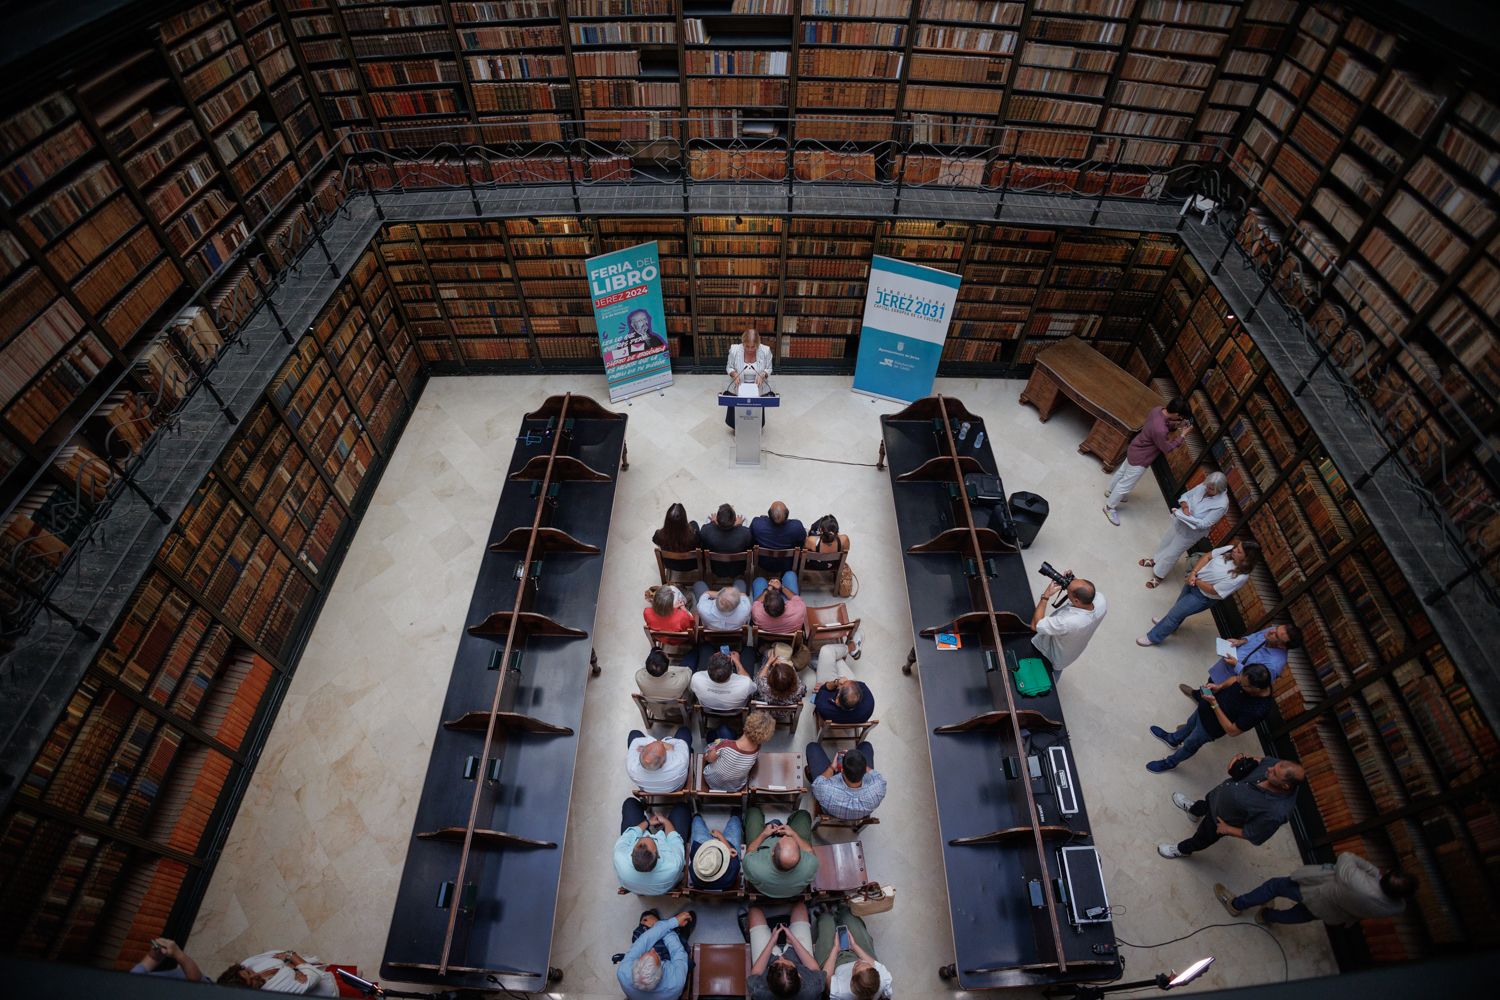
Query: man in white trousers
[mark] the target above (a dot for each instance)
(1197, 510)
(1165, 429)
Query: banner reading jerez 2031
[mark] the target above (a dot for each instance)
(907, 311)
(626, 289)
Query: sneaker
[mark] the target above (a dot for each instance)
(1164, 736)
(856, 644)
(1159, 766)
(1143, 641)
(1226, 897)
(1113, 515)
(1168, 851)
(1185, 804)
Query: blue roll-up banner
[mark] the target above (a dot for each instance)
(907, 311)
(626, 290)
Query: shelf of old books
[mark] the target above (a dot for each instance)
(547, 254)
(515, 55)
(328, 54)
(742, 248)
(387, 321)
(264, 33)
(625, 64)
(823, 286)
(475, 283)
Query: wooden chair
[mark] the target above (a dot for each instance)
(820, 819)
(687, 576)
(793, 556)
(709, 720)
(668, 799)
(698, 789)
(714, 578)
(733, 638)
(841, 868)
(796, 639)
(676, 645)
(830, 623)
(663, 711)
(785, 715)
(720, 970)
(834, 732)
(778, 777)
(826, 578)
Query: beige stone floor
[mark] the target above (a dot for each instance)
(315, 856)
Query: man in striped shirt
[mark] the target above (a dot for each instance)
(848, 787)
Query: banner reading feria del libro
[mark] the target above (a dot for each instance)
(907, 311)
(626, 290)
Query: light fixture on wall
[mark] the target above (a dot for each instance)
(1162, 981)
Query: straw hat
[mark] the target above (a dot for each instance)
(710, 861)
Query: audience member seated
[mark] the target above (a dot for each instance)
(659, 679)
(847, 787)
(777, 683)
(853, 973)
(784, 965)
(779, 859)
(839, 697)
(725, 609)
(658, 766)
(165, 949)
(725, 532)
(650, 854)
(668, 611)
(824, 536)
(714, 855)
(656, 966)
(282, 972)
(677, 534)
(727, 761)
(725, 687)
(777, 608)
(775, 529)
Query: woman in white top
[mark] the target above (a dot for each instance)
(1197, 510)
(1217, 575)
(748, 360)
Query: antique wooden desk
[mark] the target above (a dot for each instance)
(1112, 396)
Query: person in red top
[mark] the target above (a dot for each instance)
(668, 611)
(1166, 427)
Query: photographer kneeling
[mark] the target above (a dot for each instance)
(1062, 637)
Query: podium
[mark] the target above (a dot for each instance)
(747, 429)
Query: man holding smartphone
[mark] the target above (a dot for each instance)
(1228, 709)
(847, 955)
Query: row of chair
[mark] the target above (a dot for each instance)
(719, 568)
(825, 624)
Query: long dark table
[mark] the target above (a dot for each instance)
(504, 831)
(1000, 939)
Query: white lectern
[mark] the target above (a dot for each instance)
(747, 410)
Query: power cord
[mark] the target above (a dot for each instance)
(810, 458)
(1286, 969)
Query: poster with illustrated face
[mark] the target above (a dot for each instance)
(625, 287)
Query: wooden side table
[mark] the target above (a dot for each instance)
(1071, 369)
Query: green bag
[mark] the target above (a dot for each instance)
(1031, 677)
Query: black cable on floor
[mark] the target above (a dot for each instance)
(809, 458)
(1286, 968)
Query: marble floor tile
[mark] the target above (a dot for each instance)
(315, 856)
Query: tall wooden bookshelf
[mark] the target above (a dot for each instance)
(113, 831)
(1395, 748)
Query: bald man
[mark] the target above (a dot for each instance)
(777, 529)
(1251, 808)
(779, 860)
(658, 766)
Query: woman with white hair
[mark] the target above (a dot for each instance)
(749, 361)
(1197, 510)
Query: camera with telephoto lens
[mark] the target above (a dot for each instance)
(1061, 579)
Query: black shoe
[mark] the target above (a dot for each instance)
(743, 916)
(617, 958)
(1163, 735)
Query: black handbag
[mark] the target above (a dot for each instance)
(1242, 768)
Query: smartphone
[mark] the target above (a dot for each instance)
(838, 760)
(845, 942)
(724, 650)
(1205, 692)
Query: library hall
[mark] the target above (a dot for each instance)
(749, 499)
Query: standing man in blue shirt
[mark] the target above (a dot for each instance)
(643, 973)
(1268, 647)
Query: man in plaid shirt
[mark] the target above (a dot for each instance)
(848, 787)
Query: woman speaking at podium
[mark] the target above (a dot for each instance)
(749, 361)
